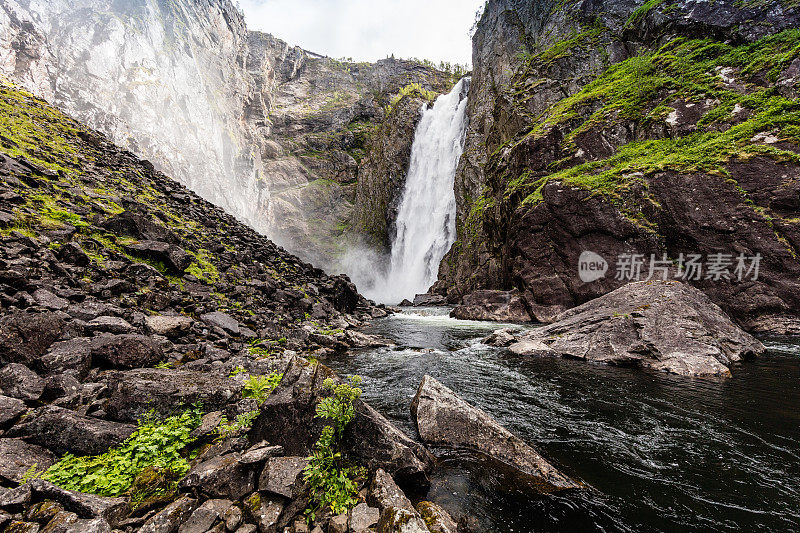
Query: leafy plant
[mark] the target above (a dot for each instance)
(259, 387)
(333, 483)
(244, 421)
(157, 444)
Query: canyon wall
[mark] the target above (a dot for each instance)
(270, 132)
(626, 127)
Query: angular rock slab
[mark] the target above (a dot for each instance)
(660, 325)
(17, 457)
(443, 418)
(496, 306)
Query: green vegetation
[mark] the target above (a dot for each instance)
(333, 483)
(412, 90)
(203, 267)
(243, 422)
(157, 445)
(260, 387)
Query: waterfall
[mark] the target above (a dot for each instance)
(426, 219)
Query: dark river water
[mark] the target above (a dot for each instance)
(660, 452)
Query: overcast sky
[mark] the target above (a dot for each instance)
(367, 30)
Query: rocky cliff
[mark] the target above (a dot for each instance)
(269, 132)
(626, 127)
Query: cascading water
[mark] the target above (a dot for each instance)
(426, 219)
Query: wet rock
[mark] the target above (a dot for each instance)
(264, 511)
(10, 410)
(18, 381)
(363, 517)
(25, 336)
(496, 306)
(171, 517)
(168, 326)
(65, 431)
(443, 418)
(173, 257)
(49, 300)
(125, 351)
(500, 338)
(73, 356)
(221, 477)
(288, 419)
(17, 457)
(658, 325)
(437, 519)
(280, 475)
(395, 520)
(384, 493)
(109, 324)
(132, 393)
(205, 516)
(429, 299)
(222, 320)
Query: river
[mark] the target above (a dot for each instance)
(660, 452)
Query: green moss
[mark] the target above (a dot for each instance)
(410, 90)
(203, 267)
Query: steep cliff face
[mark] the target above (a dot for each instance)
(269, 132)
(631, 127)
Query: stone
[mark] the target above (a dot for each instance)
(264, 511)
(125, 351)
(288, 419)
(73, 254)
(17, 526)
(205, 516)
(500, 338)
(222, 320)
(280, 475)
(62, 522)
(384, 493)
(395, 520)
(49, 300)
(18, 458)
(94, 525)
(173, 257)
(26, 336)
(55, 387)
(10, 410)
(496, 306)
(134, 392)
(260, 453)
(109, 324)
(14, 500)
(363, 517)
(86, 506)
(65, 431)
(221, 477)
(168, 326)
(429, 300)
(657, 325)
(169, 519)
(247, 528)
(139, 225)
(73, 356)
(18, 381)
(338, 524)
(233, 517)
(436, 519)
(443, 418)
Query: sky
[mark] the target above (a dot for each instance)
(368, 30)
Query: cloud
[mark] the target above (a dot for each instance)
(367, 30)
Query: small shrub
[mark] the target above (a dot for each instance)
(259, 387)
(243, 422)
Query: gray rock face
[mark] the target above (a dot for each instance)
(62, 431)
(384, 493)
(125, 351)
(26, 336)
(18, 381)
(221, 477)
(134, 392)
(171, 517)
(18, 457)
(363, 517)
(657, 325)
(10, 410)
(445, 419)
(74, 356)
(280, 475)
(222, 320)
(497, 306)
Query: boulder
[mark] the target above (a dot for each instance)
(85, 506)
(10, 410)
(443, 418)
(384, 493)
(288, 419)
(125, 351)
(134, 392)
(73, 356)
(264, 511)
(501, 338)
(109, 324)
(168, 326)
(19, 381)
(71, 253)
(496, 306)
(205, 516)
(429, 299)
(25, 336)
(63, 386)
(280, 475)
(173, 257)
(659, 325)
(394, 520)
(221, 477)
(437, 519)
(169, 519)
(363, 517)
(139, 225)
(18, 457)
(65, 431)
(222, 320)
(49, 300)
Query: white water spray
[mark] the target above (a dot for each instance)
(426, 219)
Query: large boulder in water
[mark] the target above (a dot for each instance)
(659, 325)
(288, 419)
(445, 419)
(496, 306)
